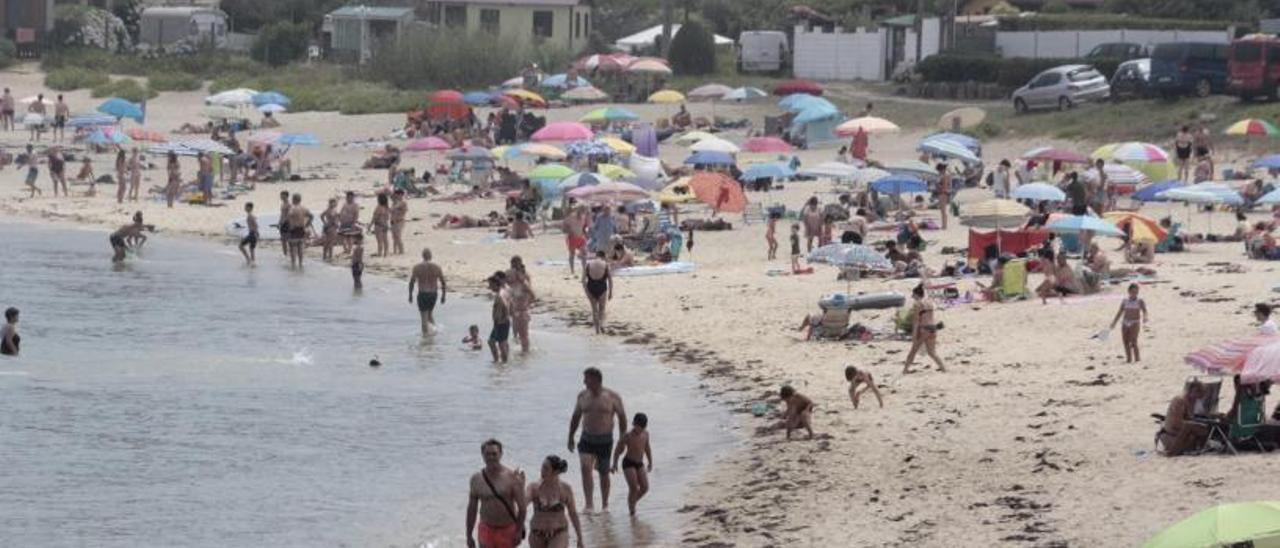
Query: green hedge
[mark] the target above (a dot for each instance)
(72, 78)
(1090, 21)
(174, 81)
(126, 88)
(1011, 73)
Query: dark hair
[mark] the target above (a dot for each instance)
(493, 442)
(641, 420)
(918, 290)
(248, 205)
(941, 167)
(351, 194)
(557, 464)
(498, 277)
(10, 313)
(787, 391)
(593, 372)
(849, 372)
(382, 199)
(1240, 216)
(285, 193)
(1005, 163)
(1133, 286)
(1260, 308)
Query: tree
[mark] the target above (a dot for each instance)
(693, 50)
(281, 43)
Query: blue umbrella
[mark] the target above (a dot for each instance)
(963, 140)
(271, 98)
(949, 149)
(1075, 224)
(815, 113)
(1270, 198)
(100, 138)
(89, 119)
(897, 184)
(709, 158)
(121, 108)
(301, 139)
(745, 94)
(477, 98)
(1151, 192)
(1271, 161)
(767, 170)
(589, 148)
(797, 102)
(549, 188)
(562, 80)
(1040, 192)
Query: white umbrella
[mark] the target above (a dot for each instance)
(714, 144)
(32, 99)
(832, 170)
(232, 97)
(207, 146)
(272, 108)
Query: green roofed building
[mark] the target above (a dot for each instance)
(563, 23)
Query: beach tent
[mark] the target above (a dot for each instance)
(1009, 241)
(1255, 524)
(816, 125)
(648, 171)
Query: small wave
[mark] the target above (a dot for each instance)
(14, 374)
(301, 357)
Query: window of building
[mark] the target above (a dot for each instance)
(490, 20)
(455, 16)
(542, 24)
(577, 25)
(586, 25)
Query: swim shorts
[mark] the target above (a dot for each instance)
(500, 333)
(506, 536)
(116, 241)
(251, 240)
(426, 301)
(598, 445)
(575, 242)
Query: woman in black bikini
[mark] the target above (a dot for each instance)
(1182, 146)
(552, 499)
(598, 282)
(380, 224)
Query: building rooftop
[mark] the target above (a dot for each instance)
(377, 12)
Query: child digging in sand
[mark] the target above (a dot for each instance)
(635, 443)
(862, 378)
(1134, 312)
(799, 412)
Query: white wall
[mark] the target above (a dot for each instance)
(932, 30)
(1072, 43)
(839, 55)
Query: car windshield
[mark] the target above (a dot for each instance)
(1244, 51)
(1083, 75)
(1168, 52)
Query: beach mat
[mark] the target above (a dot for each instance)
(678, 267)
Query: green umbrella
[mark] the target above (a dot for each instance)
(608, 114)
(550, 171)
(1225, 525)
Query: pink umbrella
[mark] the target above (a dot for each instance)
(1263, 364)
(1229, 357)
(611, 191)
(766, 144)
(427, 144)
(563, 131)
(1050, 154)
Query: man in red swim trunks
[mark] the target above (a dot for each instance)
(497, 492)
(574, 226)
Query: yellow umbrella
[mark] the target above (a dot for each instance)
(1141, 227)
(667, 97)
(677, 192)
(542, 150)
(618, 145)
(614, 171)
(527, 95)
(650, 66)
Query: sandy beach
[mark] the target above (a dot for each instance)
(1036, 435)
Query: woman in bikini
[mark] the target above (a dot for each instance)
(520, 297)
(380, 224)
(598, 283)
(924, 331)
(1182, 146)
(552, 499)
(175, 179)
(771, 235)
(1134, 312)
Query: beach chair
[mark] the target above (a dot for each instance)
(1170, 242)
(1246, 422)
(753, 212)
(1014, 283)
(1205, 412)
(676, 245)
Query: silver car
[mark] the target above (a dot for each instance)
(1062, 88)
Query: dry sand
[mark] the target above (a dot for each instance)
(1036, 435)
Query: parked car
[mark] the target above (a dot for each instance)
(1189, 68)
(1062, 88)
(1132, 80)
(1121, 51)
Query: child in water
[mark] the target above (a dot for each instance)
(633, 448)
(357, 259)
(472, 340)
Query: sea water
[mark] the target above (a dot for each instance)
(184, 399)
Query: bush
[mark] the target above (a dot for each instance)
(1101, 21)
(125, 88)
(71, 78)
(457, 59)
(174, 81)
(8, 52)
(693, 50)
(279, 44)
(325, 87)
(1012, 72)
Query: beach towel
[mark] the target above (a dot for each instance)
(678, 267)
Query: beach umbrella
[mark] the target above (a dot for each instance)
(949, 149)
(709, 158)
(910, 167)
(666, 97)
(677, 192)
(648, 66)
(271, 98)
(709, 92)
(563, 131)
(584, 94)
(1227, 357)
(797, 86)
(868, 175)
(1263, 364)
(714, 144)
(107, 138)
(1270, 161)
(1039, 192)
(263, 137)
(583, 179)
(1075, 224)
(1050, 154)
(272, 108)
(1141, 228)
(219, 112)
(614, 171)
(512, 83)
(608, 114)
(832, 170)
(232, 97)
(299, 139)
(994, 213)
(898, 184)
(550, 171)
(540, 150)
(471, 153)
(562, 81)
(973, 144)
(432, 143)
(690, 137)
(719, 191)
(1270, 198)
(815, 113)
(766, 144)
(163, 149)
(1130, 152)
(870, 125)
(962, 118)
(604, 62)
(1153, 191)
(745, 94)
(618, 145)
(446, 97)
(588, 148)
(797, 102)
(1255, 524)
(609, 192)
(851, 255)
(141, 134)
(477, 98)
(767, 170)
(1117, 174)
(1204, 193)
(121, 108)
(1252, 126)
(526, 96)
(205, 145)
(90, 119)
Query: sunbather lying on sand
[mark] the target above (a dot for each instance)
(192, 129)
(472, 194)
(467, 221)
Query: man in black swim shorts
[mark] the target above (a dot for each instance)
(596, 409)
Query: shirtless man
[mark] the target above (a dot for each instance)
(61, 112)
(329, 223)
(283, 224)
(399, 211)
(120, 237)
(574, 226)
(6, 111)
(799, 412)
(598, 406)
(299, 223)
(497, 496)
(348, 218)
(428, 278)
(204, 176)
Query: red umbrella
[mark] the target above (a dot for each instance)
(797, 86)
(719, 191)
(766, 144)
(1050, 154)
(446, 103)
(445, 96)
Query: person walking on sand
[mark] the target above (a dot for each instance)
(9, 339)
(58, 171)
(7, 111)
(1182, 149)
(799, 412)
(498, 337)
(633, 447)
(811, 217)
(329, 226)
(37, 108)
(173, 184)
(861, 378)
(122, 175)
(552, 501)
(497, 498)
(429, 280)
(597, 281)
(399, 212)
(249, 244)
(924, 330)
(299, 224)
(61, 112)
(32, 164)
(380, 224)
(1134, 312)
(135, 175)
(574, 226)
(771, 235)
(520, 296)
(595, 409)
(357, 261)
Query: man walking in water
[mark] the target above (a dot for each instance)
(497, 495)
(429, 280)
(299, 223)
(598, 406)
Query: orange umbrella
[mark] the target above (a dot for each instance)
(1142, 228)
(143, 134)
(719, 191)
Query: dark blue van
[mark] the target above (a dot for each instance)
(1189, 68)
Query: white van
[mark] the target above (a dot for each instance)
(763, 51)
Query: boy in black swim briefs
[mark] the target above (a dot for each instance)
(633, 448)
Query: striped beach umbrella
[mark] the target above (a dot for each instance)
(1227, 357)
(1130, 152)
(1253, 126)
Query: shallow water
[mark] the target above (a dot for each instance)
(186, 400)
